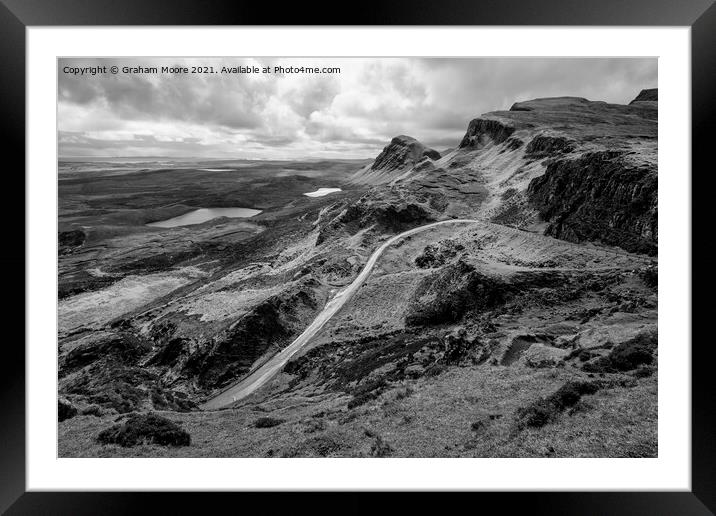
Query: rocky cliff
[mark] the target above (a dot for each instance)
(600, 196)
(482, 131)
(581, 170)
(401, 154)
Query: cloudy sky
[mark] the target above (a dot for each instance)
(351, 114)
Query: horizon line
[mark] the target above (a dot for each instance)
(207, 158)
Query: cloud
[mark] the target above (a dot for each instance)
(353, 113)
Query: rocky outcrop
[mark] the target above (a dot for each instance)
(68, 241)
(107, 370)
(647, 95)
(271, 324)
(142, 429)
(123, 388)
(444, 296)
(457, 345)
(544, 145)
(601, 196)
(65, 410)
(438, 254)
(482, 131)
(402, 156)
(628, 355)
(389, 214)
(122, 347)
(403, 151)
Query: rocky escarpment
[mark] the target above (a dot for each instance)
(587, 168)
(482, 131)
(600, 196)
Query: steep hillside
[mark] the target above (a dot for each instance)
(572, 168)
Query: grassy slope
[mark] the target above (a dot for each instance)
(429, 417)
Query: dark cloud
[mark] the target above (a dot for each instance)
(353, 113)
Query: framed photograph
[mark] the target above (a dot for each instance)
(420, 253)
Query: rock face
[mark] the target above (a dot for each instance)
(403, 151)
(400, 155)
(544, 145)
(481, 131)
(599, 196)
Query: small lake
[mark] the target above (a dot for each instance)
(322, 191)
(204, 214)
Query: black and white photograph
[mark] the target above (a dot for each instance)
(357, 257)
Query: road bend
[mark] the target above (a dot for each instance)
(268, 370)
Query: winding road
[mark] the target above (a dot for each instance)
(269, 369)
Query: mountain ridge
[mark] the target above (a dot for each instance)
(503, 154)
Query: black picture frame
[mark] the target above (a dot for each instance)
(17, 15)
